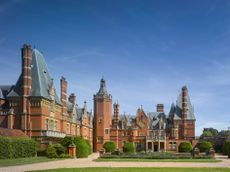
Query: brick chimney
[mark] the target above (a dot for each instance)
(116, 108)
(184, 102)
(72, 98)
(26, 55)
(160, 107)
(63, 83)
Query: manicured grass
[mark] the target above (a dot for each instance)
(144, 169)
(154, 160)
(21, 161)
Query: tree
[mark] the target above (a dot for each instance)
(185, 147)
(204, 146)
(206, 134)
(109, 146)
(226, 147)
(129, 147)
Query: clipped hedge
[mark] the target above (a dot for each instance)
(89, 147)
(109, 146)
(17, 147)
(185, 147)
(226, 148)
(204, 146)
(129, 147)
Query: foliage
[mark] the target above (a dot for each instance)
(51, 152)
(60, 149)
(66, 141)
(204, 146)
(109, 146)
(64, 155)
(185, 147)
(226, 147)
(16, 147)
(41, 152)
(89, 147)
(81, 147)
(129, 147)
(206, 134)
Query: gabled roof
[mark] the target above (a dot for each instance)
(154, 119)
(41, 80)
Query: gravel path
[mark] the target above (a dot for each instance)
(89, 162)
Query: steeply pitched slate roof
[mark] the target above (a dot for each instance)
(154, 119)
(11, 132)
(41, 80)
(4, 90)
(176, 110)
(103, 91)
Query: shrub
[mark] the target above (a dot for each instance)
(81, 147)
(51, 152)
(17, 147)
(89, 147)
(66, 141)
(59, 149)
(41, 152)
(185, 147)
(5, 148)
(109, 146)
(129, 147)
(64, 155)
(226, 147)
(204, 146)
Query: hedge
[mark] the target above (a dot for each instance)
(109, 146)
(226, 147)
(51, 152)
(204, 146)
(185, 147)
(89, 147)
(17, 147)
(129, 147)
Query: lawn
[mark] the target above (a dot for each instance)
(154, 160)
(144, 169)
(21, 161)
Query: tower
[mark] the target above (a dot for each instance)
(26, 54)
(102, 117)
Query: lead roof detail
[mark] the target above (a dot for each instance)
(102, 93)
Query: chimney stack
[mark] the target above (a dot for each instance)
(72, 98)
(184, 102)
(116, 108)
(160, 107)
(63, 101)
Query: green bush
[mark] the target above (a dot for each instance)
(51, 152)
(5, 148)
(226, 147)
(109, 146)
(204, 146)
(185, 147)
(81, 147)
(17, 147)
(41, 152)
(129, 147)
(64, 155)
(66, 141)
(89, 147)
(59, 149)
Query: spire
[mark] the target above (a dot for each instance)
(103, 91)
(85, 105)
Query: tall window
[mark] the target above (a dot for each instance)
(55, 125)
(47, 124)
(51, 127)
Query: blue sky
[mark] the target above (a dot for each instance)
(146, 50)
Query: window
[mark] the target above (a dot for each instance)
(100, 140)
(67, 128)
(100, 121)
(55, 125)
(106, 131)
(47, 124)
(51, 127)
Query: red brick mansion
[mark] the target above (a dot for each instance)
(33, 105)
(150, 131)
